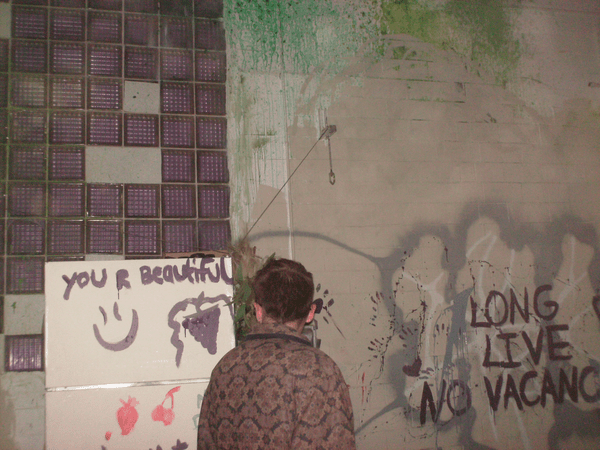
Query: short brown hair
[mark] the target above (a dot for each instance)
(285, 290)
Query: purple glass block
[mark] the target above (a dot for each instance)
(142, 237)
(26, 199)
(3, 90)
(177, 131)
(212, 167)
(3, 159)
(110, 5)
(142, 6)
(142, 200)
(105, 129)
(210, 99)
(3, 126)
(25, 275)
(29, 56)
(175, 8)
(67, 163)
(178, 166)
(105, 60)
(176, 32)
(28, 127)
(211, 133)
(105, 93)
(213, 234)
(104, 236)
(210, 35)
(177, 98)
(66, 92)
(66, 200)
(211, 67)
(213, 202)
(176, 65)
(3, 55)
(67, 25)
(28, 91)
(67, 128)
(179, 236)
(104, 27)
(66, 237)
(26, 237)
(141, 130)
(29, 23)
(27, 163)
(212, 9)
(141, 29)
(68, 3)
(30, 2)
(24, 353)
(67, 58)
(178, 201)
(141, 63)
(104, 200)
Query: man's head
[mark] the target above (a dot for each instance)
(284, 290)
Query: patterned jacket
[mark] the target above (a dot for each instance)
(276, 393)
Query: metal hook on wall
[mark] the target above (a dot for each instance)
(327, 132)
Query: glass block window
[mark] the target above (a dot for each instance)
(213, 235)
(62, 79)
(176, 32)
(177, 131)
(28, 91)
(104, 60)
(178, 166)
(141, 29)
(66, 163)
(177, 98)
(210, 99)
(211, 133)
(210, 35)
(142, 237)
(141, 63)
(24, 353)
(142, 200)
(27, 163)
(26, 237)
(105, 93)
(104, 237)
(66, 200)
(27, 199)
(141, 130)
(213, 202)
(67, 128)
(105, 129)
(212, 167)
(67, 58)
(66, 237)
(28, 127)
(178, 201)
(104, 27)
(67, 92)
(179, 236)
(176, 65)
(105, 200)
(24, 275)
(29, 23)
(67, 25)
(211, 67)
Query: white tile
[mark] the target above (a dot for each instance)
(123, 165)
(141, 97)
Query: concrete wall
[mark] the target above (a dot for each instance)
(457, 252)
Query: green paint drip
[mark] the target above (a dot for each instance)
(480, 30)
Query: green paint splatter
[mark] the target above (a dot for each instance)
(480, 30)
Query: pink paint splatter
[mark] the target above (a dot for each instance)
(162, 414)
(127, 415)
(108, 435)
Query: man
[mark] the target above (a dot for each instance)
(275, 391)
